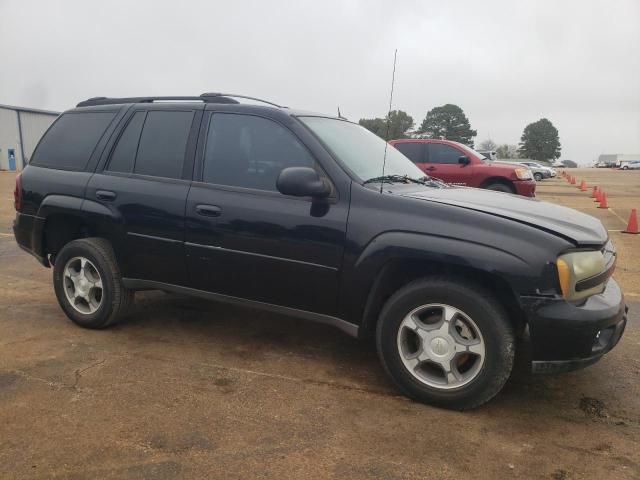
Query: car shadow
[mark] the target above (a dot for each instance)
(275, 344)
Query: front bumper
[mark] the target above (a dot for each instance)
(526, 188)
(565, 336)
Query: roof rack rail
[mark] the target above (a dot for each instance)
(233, 95)
(205, 97)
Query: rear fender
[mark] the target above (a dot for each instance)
(99, 219)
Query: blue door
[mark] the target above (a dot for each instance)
(12, 159)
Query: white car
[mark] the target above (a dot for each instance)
(634, 165)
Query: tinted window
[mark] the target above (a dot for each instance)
(248, 151)
(163, 143)
(70, 141)
(414, 151)
(124, 154)
(441, 153)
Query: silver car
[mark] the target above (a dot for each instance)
(540, 171)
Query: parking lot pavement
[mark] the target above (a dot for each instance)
(190, 389)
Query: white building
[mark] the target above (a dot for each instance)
(20, 131)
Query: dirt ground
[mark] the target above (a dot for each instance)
(190, 389)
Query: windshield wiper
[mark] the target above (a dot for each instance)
(398, 179)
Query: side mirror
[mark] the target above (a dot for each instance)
(302, 182)
(464, 160)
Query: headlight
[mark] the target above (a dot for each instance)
(582, 274)
(523, 174)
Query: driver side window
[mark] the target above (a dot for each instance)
(442, 153)
(250, 152)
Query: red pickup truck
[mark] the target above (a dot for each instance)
(455, 163)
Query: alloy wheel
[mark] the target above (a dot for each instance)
(441, 346)
(82, 285)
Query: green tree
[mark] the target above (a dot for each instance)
(400, 123)
(487, 145)
(507, 151)
(450, 122)
(540, 141)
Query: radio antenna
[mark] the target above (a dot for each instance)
(386, 137)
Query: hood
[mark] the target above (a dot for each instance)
(510, 164)
(502, 165)
(571, 224)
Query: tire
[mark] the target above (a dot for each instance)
(625, 168)
(500, 187)
(538, 177)
(487, 374)
(91, 262)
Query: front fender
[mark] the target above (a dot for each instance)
(360, 282)
(452, 251)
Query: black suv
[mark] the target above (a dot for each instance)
(315, 217)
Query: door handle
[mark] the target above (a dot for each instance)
(106, 195)
(430, 169)
(208, 210)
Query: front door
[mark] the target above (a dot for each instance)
(443, 164)
(145, 187)
(247, 240)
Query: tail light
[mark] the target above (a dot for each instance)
(17, 194)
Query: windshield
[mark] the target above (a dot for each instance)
(359, 150)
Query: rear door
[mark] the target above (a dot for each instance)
(244, 238)
(144, 184)
(416, 152)
(443, 164)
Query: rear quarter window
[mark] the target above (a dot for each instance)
(70, 141)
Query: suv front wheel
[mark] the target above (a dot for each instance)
(446, 343)
(87, 282)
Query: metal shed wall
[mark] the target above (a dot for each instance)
(33, 127)
(9, 138)
(21, 129)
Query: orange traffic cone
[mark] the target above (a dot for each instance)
(598, 196)
(632, 226)
(603, 201)
(594, 192)
(573, 180)
(583, 186)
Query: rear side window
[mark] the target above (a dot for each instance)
(163, 143)
(441, 153)
(414, 151)
(70, 141)
(124, 155)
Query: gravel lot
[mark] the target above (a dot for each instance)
(190, 389)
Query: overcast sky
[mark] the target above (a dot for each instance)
(506, 63)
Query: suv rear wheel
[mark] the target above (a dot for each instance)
(87, 282)
(446, 343)
(538, 177)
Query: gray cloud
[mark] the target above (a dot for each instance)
(505, 63)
